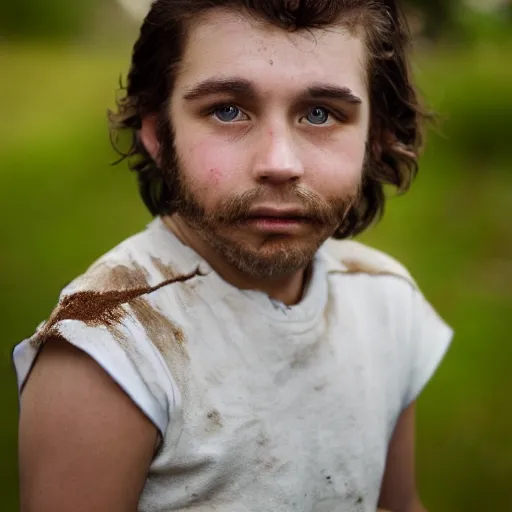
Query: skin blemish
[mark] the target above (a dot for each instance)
(216, 175)
(271, 62)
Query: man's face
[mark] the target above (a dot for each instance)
(270, 138)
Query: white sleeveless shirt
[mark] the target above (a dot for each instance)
(260, 407)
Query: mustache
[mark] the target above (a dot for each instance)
(315, 208)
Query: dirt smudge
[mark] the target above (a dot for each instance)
(214, 417)
(357, 267)
(166, 271)
(107, 307)
(262, 439)
(159, 329)
(102, 277)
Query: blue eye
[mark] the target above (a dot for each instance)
(318, 115)
(227, 113)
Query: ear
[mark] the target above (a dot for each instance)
(148, 135)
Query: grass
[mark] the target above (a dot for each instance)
(62, 205)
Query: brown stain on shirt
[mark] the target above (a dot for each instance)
(158, 327)
(360, 267)
(357, 267)
(214, 417)
(166, 271)
(107, 307)
(102, 278)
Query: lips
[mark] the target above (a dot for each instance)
(283, 221)
(278, 214)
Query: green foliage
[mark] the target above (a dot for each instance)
(476, 114)
(53, 19)
(438, 15)
(63, 205)
(485, 27)
(65, 19)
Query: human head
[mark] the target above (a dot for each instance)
(394, 129)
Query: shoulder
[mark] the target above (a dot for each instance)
(119, 290)
(112, 313)
(384, 302)
(145, 261)
(377, 289)
(351, 257)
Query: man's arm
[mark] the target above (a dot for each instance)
(399, 492)
(83, 444)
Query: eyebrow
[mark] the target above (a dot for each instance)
(213, 86)
(334, 92)
(241, 86)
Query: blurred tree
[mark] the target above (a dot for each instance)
(64, 18)
(53, 19)
(434, 17)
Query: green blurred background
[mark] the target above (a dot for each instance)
(63, 204)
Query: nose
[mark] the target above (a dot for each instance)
(277, 160)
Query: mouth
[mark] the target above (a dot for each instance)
(278, 220)
(279, 214)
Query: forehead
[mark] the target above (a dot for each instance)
(224, 43)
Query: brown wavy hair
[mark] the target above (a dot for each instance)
(397, 116)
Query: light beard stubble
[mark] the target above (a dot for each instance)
(277, 255)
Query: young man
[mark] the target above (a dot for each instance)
(240, 354)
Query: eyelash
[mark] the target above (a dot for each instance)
(337, 114)
(212, 109)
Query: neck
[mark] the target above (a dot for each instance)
(286, 289)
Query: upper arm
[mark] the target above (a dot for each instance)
(83, 444)
(399, 491)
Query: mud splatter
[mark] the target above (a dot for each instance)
(214, 417)
(108, 308)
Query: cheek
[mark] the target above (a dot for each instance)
(215, 177)
(338, 167)
(209, 167)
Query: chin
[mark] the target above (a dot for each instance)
(272, 260)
